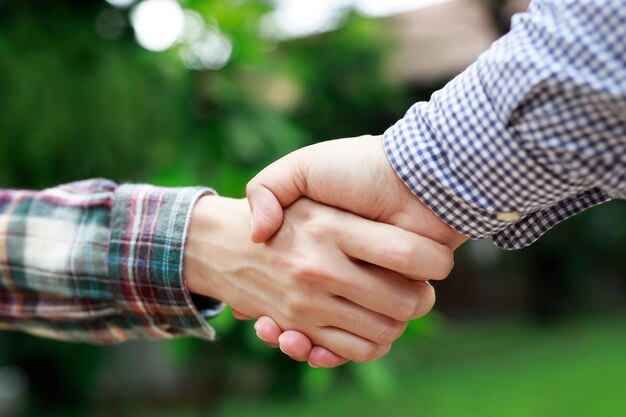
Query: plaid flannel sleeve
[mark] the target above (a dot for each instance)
(96, 262)
(530, 134)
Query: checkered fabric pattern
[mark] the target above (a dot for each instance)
(96, 262)
(530, 134)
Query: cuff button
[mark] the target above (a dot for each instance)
(508, 216)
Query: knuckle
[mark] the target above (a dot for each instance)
(398, 329)
(309, 270)
(251, 186)
(296, 305)
(366, 352)
(407, 307)
(389, 333)
(319, 227)
(314, 274)
(348, 283)
(372, 352)
(382, 350)
(427, 301)
(401, 254)
(384, 335)
(444, 262)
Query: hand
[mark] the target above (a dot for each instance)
(355, 175)
(326, 273)
(352, 174)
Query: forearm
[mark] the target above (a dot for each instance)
(97, 262)
(532, 133)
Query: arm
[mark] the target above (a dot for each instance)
(532, 133)
(96, 262)
(326, 273)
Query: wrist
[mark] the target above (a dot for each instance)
(416, 216)
(213, 243)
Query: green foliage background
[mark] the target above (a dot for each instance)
(74, 105)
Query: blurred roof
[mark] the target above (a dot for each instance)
(442, 40)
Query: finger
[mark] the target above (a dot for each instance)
(348, 345)
(320, 357)
(275, 187)
(240, 316)
(267, 213)
(393, 248)
(361, 322)
(383, 291)
(271, 345)
(267, 330)
(295, 345)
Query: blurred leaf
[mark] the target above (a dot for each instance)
(377, 378)
(180, 350)
(224, 322)
(317, 382)
(430, 325)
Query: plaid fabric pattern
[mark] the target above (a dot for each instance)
(95, 262)
(530, 134)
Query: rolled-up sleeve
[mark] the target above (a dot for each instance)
(530, 134)
(98, 262)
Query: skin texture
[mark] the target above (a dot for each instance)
(316, 275)
(353, 174)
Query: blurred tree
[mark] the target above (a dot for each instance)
(75, 105)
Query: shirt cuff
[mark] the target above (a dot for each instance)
(531, 228)
(420, 158)
(148, 234)
(461, 156)
(421, 168)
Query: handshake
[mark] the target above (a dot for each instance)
(343, 253)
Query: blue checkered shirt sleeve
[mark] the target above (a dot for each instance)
(530, 134)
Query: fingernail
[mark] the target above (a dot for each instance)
(259, 336)
(312, 366)
(268, 343)
(281, 349)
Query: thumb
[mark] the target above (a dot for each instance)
(267, 213)
(277, 186)
(240, 316)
